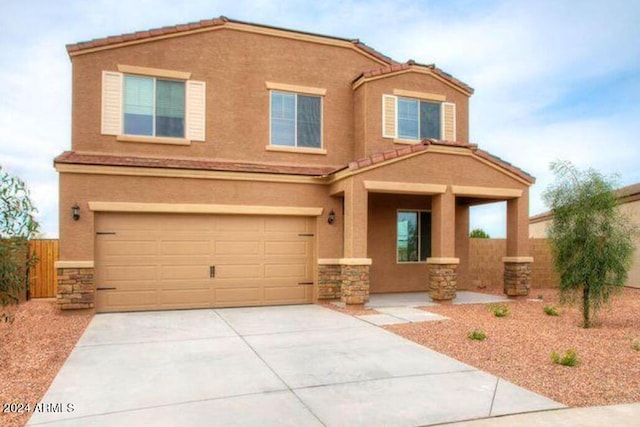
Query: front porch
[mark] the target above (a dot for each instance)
(401, 236)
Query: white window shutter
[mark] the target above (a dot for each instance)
(389, 116)
(111, 103)
(448, 121)
(196, 110)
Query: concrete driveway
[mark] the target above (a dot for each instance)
(271, 366)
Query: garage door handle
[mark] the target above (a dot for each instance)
(104, 289)
(305, 283)
(212, 271)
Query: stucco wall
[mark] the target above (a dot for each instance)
(235, 66)
(373, 141)
(387, 275)
(76, 241)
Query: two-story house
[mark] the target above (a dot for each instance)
(222, 163)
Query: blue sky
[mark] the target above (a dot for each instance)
(553, 79)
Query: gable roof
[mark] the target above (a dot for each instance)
(411, 66)
(424, 145)
(153, 34)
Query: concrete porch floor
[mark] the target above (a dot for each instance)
(400, 307)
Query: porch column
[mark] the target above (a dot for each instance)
(517, 263)
(355, 265)
(462, 246)
(443, 263)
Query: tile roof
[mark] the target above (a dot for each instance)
(424, 145)
(203, 24)
(71, 157)
(412, 65)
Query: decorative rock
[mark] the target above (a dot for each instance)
(329, 281)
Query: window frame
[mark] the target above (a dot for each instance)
(419, 118)
(296, 147)
(419, 241)
(133, 136)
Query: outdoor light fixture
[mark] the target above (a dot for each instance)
(75, 209)
(332, 217)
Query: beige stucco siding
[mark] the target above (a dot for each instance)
(77, 241)
(372, 139)
(387, 275)
(235, 66)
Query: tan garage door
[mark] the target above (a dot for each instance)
(169, 261)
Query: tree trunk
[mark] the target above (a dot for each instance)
(586, 306)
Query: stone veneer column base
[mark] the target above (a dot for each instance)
(355, 283)
(329, 281)
(76, 289)
(517, 276)
(442, 278)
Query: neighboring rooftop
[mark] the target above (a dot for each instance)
(628, 194)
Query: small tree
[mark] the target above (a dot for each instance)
(479, 233)
(17, 225)
(591, 240)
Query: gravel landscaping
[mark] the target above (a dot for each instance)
(518, 347)
(32, 350)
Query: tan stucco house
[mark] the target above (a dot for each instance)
(222, 163)
(629, 203)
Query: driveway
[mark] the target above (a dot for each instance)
(270, 366)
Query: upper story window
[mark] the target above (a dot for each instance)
(154, 107)
(418, 117)
(296, 120)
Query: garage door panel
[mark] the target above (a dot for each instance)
(233, 248)
(238, 296)
(238, 271)
(161, 261)
(120, 248)
(184, 247)
(280, 295)
(123, 301)
(130, 272)
(184, 272)
(293, 270)
(187, 298)
(285, 248)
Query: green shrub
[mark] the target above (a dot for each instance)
(477, 335)
(550, 310)
(570, 358)
(499, 310)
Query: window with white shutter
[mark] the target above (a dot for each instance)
(416, 119)
(153, 107)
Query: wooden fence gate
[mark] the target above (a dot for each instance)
(43, 282)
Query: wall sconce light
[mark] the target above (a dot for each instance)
(75, 210)
(332, 217)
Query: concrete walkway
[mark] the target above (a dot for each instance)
(595, 416)
(400, 307)
(272, 366)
